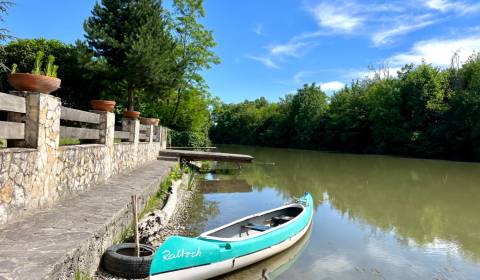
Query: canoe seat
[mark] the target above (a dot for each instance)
(257, 227)
(278, 220)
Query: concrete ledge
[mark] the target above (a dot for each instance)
(53, 244)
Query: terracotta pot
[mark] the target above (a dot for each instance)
(131, 114)
(103, 105)
(149, 121)
(33, 83)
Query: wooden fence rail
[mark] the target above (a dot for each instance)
(12, 103)
(78, 132)
(122, 134)
(70, 114)
(12, 130)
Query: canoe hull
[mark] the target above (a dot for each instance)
(219, 268)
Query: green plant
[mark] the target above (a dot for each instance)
(38, 63)
(191, 178)
(50, 69)
(14, 68)
(54, 71)
(50, 66)
(80, 276)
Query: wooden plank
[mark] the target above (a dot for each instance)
(12, 103)
(196, 155)
(70, 114)
(78, 132)
(122, 134)
(144, 127)
(12, 130)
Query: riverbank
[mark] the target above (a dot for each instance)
(172, 219)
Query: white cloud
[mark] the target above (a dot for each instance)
(332, 263)
(332, 86)
(336, 17)
(295, 49)
(258, 29)
(457, 6)
(438, 51)
(403, 26)
(267, 61)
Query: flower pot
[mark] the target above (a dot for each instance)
(103, 105)
(131, 114)
(33, 83)
(149, 121)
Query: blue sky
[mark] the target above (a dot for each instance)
(270, 47)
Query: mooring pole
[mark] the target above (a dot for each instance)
(135, 225)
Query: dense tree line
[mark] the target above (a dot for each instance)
(423, 111)
(137, 52)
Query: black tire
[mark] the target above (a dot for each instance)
(118, 262)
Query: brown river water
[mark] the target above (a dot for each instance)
(376, 217)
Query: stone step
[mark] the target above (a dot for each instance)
(54, 243)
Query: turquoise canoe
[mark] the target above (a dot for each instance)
(235, 245)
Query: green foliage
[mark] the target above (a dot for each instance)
(424, 111)
(50, 66)
(135, 39)
(83, 76)
(81, 276)
(14, 68)
(4, 5)
(37, 68)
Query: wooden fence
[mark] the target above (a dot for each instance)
(75, 124)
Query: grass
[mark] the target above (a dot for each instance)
(3, 143)
(69, 141)
(153, 203)
(80, 276)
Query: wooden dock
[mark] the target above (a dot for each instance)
(197, 155)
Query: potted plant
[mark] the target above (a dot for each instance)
(44, 81)
(103, 105)
(131, 114)
(149, 121)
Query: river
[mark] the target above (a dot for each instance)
(376, 217)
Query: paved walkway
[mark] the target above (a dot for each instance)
(54, 243)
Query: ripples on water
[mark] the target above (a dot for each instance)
(376, 217)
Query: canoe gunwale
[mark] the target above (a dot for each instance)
(205, 235)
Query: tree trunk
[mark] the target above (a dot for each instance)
(177, 104)
(131, 103)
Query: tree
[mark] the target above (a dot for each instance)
(4, 5)
(134, 37)
(194, 50)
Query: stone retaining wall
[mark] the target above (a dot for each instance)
(37, 177)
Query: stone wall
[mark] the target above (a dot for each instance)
(37, 177)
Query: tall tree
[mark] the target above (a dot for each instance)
(194, 50)
(134, 37)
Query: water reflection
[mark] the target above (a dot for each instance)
(377, 217)
(273, 267)
(422, 201)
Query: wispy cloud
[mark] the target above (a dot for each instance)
(265, 60)
(258, 29)
(296, 49)
(438, 51)
(276, 53)
(335, 17)
(457, 6)
(402, 25)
